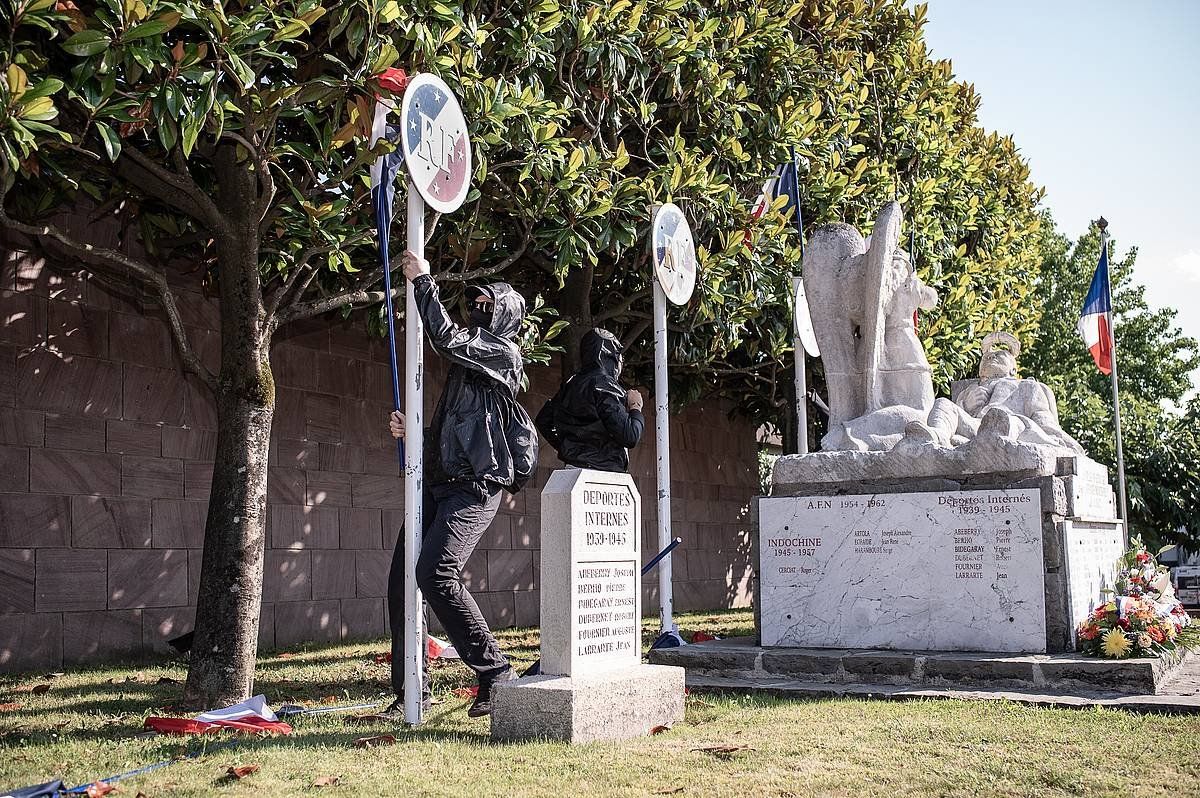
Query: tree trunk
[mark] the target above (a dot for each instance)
(575, 305)
(227, 612)
(225, 645)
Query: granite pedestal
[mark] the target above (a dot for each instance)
(1006, 550)
(593, 684)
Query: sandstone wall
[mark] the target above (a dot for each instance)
(106, 457)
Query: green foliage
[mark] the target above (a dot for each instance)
(583, 114)
(1154, 364)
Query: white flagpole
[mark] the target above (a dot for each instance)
(662, 425)
(414, 476)
(801, 355)
(1102, 223)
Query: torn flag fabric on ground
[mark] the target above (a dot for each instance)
(252, 715)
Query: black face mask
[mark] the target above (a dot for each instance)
(480, 318)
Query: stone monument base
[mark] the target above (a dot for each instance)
(616, 704)
(854, 554)
(739, 663)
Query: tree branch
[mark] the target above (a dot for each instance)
(132, 267)
(635, 332)
(356, 297)
(178, 191)
(624, 307)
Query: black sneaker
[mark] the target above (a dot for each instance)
(395, 710)
(483, 699)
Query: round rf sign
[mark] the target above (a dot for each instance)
(436, 149)
(674, 253)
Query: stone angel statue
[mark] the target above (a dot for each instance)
(862, 294)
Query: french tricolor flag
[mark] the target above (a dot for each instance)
(1095, 323)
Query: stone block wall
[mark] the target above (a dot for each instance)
(106, 456)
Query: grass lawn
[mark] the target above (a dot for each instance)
(82, 728)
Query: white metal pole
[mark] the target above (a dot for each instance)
(414, 476)
(662, 425)
(801, 377)
(1112, 335)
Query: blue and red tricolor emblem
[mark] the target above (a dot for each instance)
(1095, 323)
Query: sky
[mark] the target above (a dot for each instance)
(1103, 100)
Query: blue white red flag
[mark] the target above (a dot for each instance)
(783, 182)
(1095, 323)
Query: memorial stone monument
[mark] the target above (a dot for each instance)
(972, 523)
(593, 685)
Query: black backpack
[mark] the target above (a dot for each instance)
(522, 439)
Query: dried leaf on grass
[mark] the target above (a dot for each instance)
(660, 729)
(466, 692)
(240, 772)
(374, 742)
(367, 720)
(10, 707)
(722, 751)
(98, 789)
(326, 781)
(672, 791)
(40, 689)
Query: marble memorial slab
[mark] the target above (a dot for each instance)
(953, 571)
(590, 572)
(1092, 554)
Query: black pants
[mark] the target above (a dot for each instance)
(455, 517)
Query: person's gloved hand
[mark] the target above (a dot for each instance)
(396, 424)
(414, 265)
(633, 400)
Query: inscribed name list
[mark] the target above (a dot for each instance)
(959, 570)
(606, 624)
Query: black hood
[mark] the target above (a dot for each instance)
(509, 309)
(600, 349)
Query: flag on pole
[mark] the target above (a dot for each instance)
(783, 182)
(1095, 323)
(385, 167)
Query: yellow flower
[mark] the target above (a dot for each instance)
(1115, 644)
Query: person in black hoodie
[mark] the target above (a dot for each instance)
(480, 442)
(592, 421)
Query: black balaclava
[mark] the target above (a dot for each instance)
(477, 317)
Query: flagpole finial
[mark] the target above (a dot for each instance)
(1102, 223)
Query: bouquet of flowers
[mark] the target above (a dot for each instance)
(1141, 617)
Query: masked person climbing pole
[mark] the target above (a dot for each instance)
(592, 421)
(479, 444)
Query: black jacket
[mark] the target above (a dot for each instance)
(481, 434)
(586, 421)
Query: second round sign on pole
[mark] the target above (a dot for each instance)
(673, 253)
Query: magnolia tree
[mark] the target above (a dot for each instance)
(235, 135)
